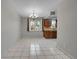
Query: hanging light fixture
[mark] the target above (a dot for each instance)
(33, 15)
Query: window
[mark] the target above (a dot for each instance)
(35, 24)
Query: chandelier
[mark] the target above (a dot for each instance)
(33, 15)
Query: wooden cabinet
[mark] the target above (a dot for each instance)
(50, 34)
(47, 31)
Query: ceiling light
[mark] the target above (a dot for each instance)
(33, 15)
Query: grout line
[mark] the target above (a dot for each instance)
(36, 54)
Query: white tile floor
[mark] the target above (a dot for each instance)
(35, 49)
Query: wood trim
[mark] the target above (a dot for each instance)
(27, 24)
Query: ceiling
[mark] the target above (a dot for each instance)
(42, 7)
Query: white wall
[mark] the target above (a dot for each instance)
(28, 35)
(67, 28)
(10, 26)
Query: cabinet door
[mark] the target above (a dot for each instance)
(50, 34)
(54, 34)
(47, 34)
(47, 23)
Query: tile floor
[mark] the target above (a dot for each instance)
(35, 49)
